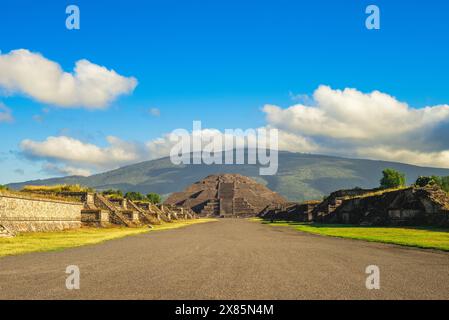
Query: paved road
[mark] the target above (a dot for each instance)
(228, 259)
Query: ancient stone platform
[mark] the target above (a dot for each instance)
(226, 195)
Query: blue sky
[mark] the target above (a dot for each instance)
(219, 62)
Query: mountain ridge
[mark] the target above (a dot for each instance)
(300, 176)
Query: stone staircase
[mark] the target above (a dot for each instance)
(115, 215)
(5, 233)
(226, 190)
(164, 214)
(242, 207)
(143, 216)
(212, 208)
(226, 196)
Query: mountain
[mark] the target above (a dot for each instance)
(299, 177)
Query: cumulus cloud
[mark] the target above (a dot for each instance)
(338, 122)
(89, 85)
(432, 159)
(66, 155)
(5, 114)
(351, 114)
(67, 149)
(376, 125)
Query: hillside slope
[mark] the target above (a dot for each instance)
(300, 176)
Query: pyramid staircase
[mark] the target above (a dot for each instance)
(212, 208)
(226, 196)
(242, 207)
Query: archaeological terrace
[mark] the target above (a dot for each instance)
(28, 212)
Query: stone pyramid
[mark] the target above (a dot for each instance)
(227, 195)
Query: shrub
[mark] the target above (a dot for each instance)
(392, 179)
(113, 193)
(425, 181)
(154, 198)
(2, 187)
(442, 182)
(135, 196)
(58, 188)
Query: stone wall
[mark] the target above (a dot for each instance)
(411, 206)
(25, 214)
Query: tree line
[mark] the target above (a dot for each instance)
(394, 179)
(133, 196)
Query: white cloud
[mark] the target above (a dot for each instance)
(421, 158)
(351, 114)
(340, 122)
(5, 114)
(374, 125)
(69, 150)
(67, 155)
(90, 85)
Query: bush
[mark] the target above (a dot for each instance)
(442, 182)
(135, 196)
(392, 179)
(426, 181)
(2, 187)
(58, 188)
(154, 198)
(112, 192)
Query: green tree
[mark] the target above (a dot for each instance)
(425, 181)
(392, 179)
(154, 198)
(134, 196)
(444, 183)
(113, 192)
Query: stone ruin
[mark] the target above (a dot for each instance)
(40, 211)
(410, 206)
(226, 195)
(99, 210)
(292, 211)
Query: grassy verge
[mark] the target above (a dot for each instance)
(53, 241)
(421, 237)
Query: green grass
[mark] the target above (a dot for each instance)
(421, 237)
(57, 188)
(54, 241)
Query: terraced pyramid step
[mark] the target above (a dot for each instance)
(222, 195)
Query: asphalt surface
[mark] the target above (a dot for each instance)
(228, 259)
